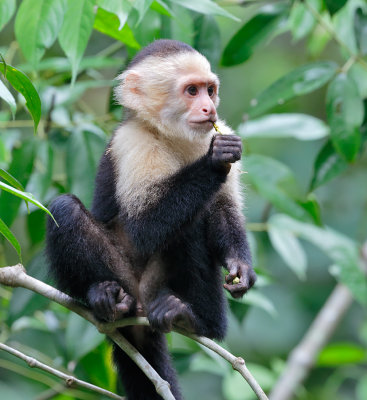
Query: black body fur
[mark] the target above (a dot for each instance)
(194, 229)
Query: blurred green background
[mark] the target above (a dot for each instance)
(306, 171)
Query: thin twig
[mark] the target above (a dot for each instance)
(69, 379)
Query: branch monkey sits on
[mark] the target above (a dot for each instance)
(166, 214)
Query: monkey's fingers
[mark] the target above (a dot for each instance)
(125, 304)
(103, 300)
(237, 290)
(232, 275)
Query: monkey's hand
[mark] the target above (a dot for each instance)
(245, 278)
(109, 301)
(224, 150)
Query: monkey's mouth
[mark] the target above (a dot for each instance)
(203, 122)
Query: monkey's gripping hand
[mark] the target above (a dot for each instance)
(109, 301)
(245, 278)
(224, 150)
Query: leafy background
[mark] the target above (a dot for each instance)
(293, 85)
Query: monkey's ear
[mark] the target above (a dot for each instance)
(132, 82)
(128, 92)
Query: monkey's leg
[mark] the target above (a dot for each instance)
(163, 308)
(83, 260)
(152, 345)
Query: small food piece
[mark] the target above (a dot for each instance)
(215, 126)
(236, 280)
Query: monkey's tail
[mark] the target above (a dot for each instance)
(152, 345)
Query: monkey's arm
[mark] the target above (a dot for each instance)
(183, 196)
(228, 241)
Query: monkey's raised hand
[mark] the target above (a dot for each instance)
(109, 301)
(245, 274)
(225, 149)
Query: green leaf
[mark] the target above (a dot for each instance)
(21, 166)
(4, 153)
(343, 251)
(9, 236)
(361, 388)
(25, 196)
(335, 5)
(258, 299)
(359, 75)
(300, 81)
(8, 97)
(251, 35)
(10, 179)
(120, 8)
(345, 114)
(202, 363)
(328, 165)
(10, 391)
(88, 337)
(24, 86)
(236, 388)
(317, 41)
(181, 27)
(61, 64)
(299, 126)
(276, 183)
(36, 226)
(360, 30)
(238, 308)
(142, 6)
(206, 7)
(82, 169)
(288, 247)
(344, 22)
(207, 38)
(41, 177)
(340, 354)
(37, 25)
(7, 9)
(108, 24)
(301, 20)
(68, 95)
(76, 30)
(312, 206)
(161, 7)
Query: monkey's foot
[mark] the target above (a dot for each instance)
(168, 311)
(109, 301)
(126, 304)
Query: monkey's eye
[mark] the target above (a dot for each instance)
(211, 91)
(192, 90)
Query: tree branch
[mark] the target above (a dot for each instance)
(69, 379)
(303, 357)
(16, 276)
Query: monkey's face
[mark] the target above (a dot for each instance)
(177, 94)
(200, 98)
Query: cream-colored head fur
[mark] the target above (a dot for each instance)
(149, 86)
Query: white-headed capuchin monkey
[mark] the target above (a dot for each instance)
(166, 214)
